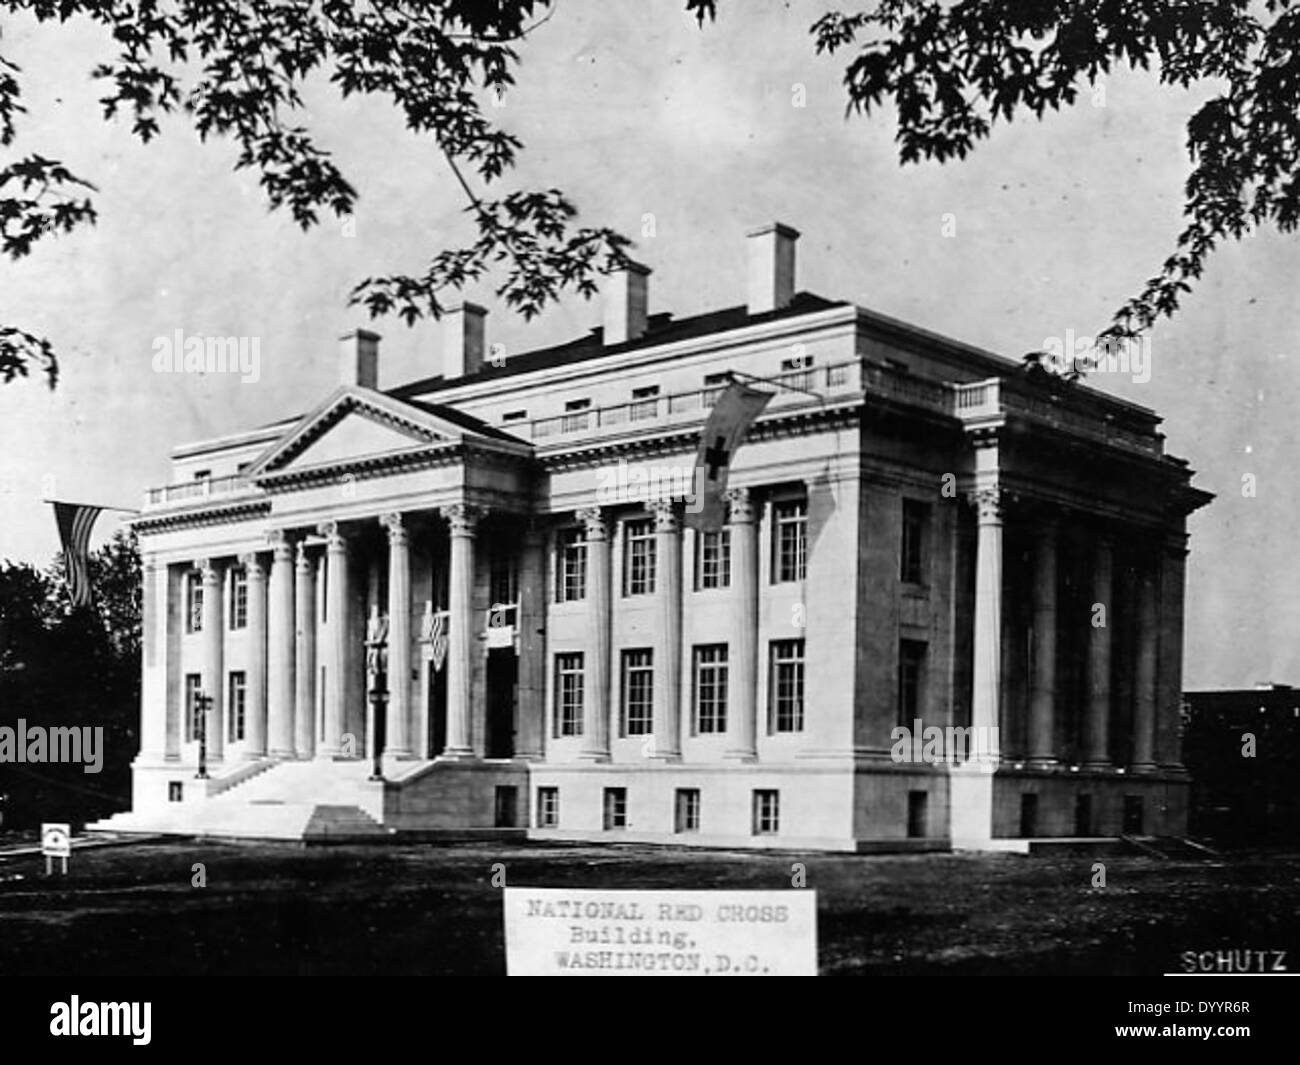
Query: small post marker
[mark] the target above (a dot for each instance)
(56, 842)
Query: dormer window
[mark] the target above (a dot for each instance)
(645, 403)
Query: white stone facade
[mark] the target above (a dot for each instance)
(917, 530)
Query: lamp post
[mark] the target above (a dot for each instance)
(377, 668)
(202, 704)
(378, 704)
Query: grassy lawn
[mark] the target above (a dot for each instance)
(281, 909)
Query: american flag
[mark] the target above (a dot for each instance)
(75, 522)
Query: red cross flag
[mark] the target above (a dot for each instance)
(724, 432)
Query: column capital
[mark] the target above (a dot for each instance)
(210, 568)
(253, 565)
(665, 516)
(303, 564)
(534, 532)
(280, 543)
(989, 503)
(594, 519)
(741, 506)
(394, 522)
(335, 540)
(462, 518)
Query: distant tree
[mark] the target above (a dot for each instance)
(71, 666)
(952, 70)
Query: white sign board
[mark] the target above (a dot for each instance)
(558, 932)
(501, 636)
(56, 840)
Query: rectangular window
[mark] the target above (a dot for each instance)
(1028, 815)
(911, 677)
(916, 817)
(238, 598)
(568, 694)
(236, 688)
(686, 814)
(767, 813)
(789, 541)
(615, 808)
(503, 580)
(514, 416)
(175, 791)
(577, 413)
(506, 802)
(638, 693)
(786, 687)
(548, 807)
(710, 673)
(645, 403)
(713, 559)
(916, 519)
(193, 602)
(570, 565)
(639, 557)
(193, 681)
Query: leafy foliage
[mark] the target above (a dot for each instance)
(953, 70)
(237, 71)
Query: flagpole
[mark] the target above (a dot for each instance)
(779, 384)
(97, 506)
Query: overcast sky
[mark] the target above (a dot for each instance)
(633, 110)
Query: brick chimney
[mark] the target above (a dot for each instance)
(626, 298)
(771, 267)
(463, 333)
(359, 358)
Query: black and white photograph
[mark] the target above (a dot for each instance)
(677, 488)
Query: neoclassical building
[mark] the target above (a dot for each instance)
(471, 603)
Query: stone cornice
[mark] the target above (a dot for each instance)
(367, 467)
(212, 515)
(787, 423)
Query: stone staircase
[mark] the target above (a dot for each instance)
(309, 801)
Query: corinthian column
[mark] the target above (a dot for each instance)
(304, 625)
(336, 643)
(596, 700)
(987, 694)
(742, 651)
(532, 644)
(280, 656)
(668, 593)
(462, 521)
(397, 742)
(1146, 680)
(1098, 733)
(1042, 700)
(255, 746)
(213, 664)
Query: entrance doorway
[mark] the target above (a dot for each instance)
(437, 681)
(502, 688)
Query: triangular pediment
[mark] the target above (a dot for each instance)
(353, 425)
